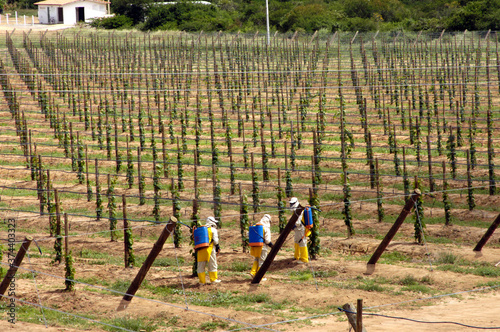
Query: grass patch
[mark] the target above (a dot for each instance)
(212, 326)
(168, 261)
(120, 285)
(409, 280)
(451, 262)
(238, 266)
(418, 289)
(220, 299)
(132, 324)
(303, 275)
(394, 257)
(447, 258)
(370, 285)
(325, 274)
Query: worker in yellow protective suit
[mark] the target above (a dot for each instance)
(208, 254)
(301, 234)
(260, 252)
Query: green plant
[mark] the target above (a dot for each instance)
(452, 154)
(70, 272)
(419, 223)
(112, 208)
(280, 195)
(244, 222)
(176, 207)
(313, 245)
(157, 194)
(447, 258)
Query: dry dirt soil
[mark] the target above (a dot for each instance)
(341, 274)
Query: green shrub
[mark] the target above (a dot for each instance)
(115, 22)
(447, 258)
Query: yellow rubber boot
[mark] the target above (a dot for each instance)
(255, 268)
(296, 254)
(213, 276)
(304, 255)
(201, 276)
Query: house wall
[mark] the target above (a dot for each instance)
(42, 14)
(92, 10)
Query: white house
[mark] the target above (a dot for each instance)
(71, 11)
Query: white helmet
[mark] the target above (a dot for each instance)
(294, 203)
(211, 222)
(266, 220)
(268, 217)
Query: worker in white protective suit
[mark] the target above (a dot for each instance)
(301, 234)
(208, 254)
(260, 253)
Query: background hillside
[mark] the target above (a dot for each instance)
(310, 15)
(303, 16)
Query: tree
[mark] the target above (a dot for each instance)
(135, 9)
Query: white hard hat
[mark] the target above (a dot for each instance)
(211, 221)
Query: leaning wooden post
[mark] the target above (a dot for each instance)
(158, 246)
(410, 203)
(11, 273)
(277, 245)
(488, 234)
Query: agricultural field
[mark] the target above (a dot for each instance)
(104, 136)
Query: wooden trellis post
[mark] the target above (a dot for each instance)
(15, 265)
(394, 229)
(158, 246)
(277, 246)
(488, 234)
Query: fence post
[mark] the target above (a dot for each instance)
(158, 246)
(394, 229)
(11, 273)
(277, 245)
(488, 234)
